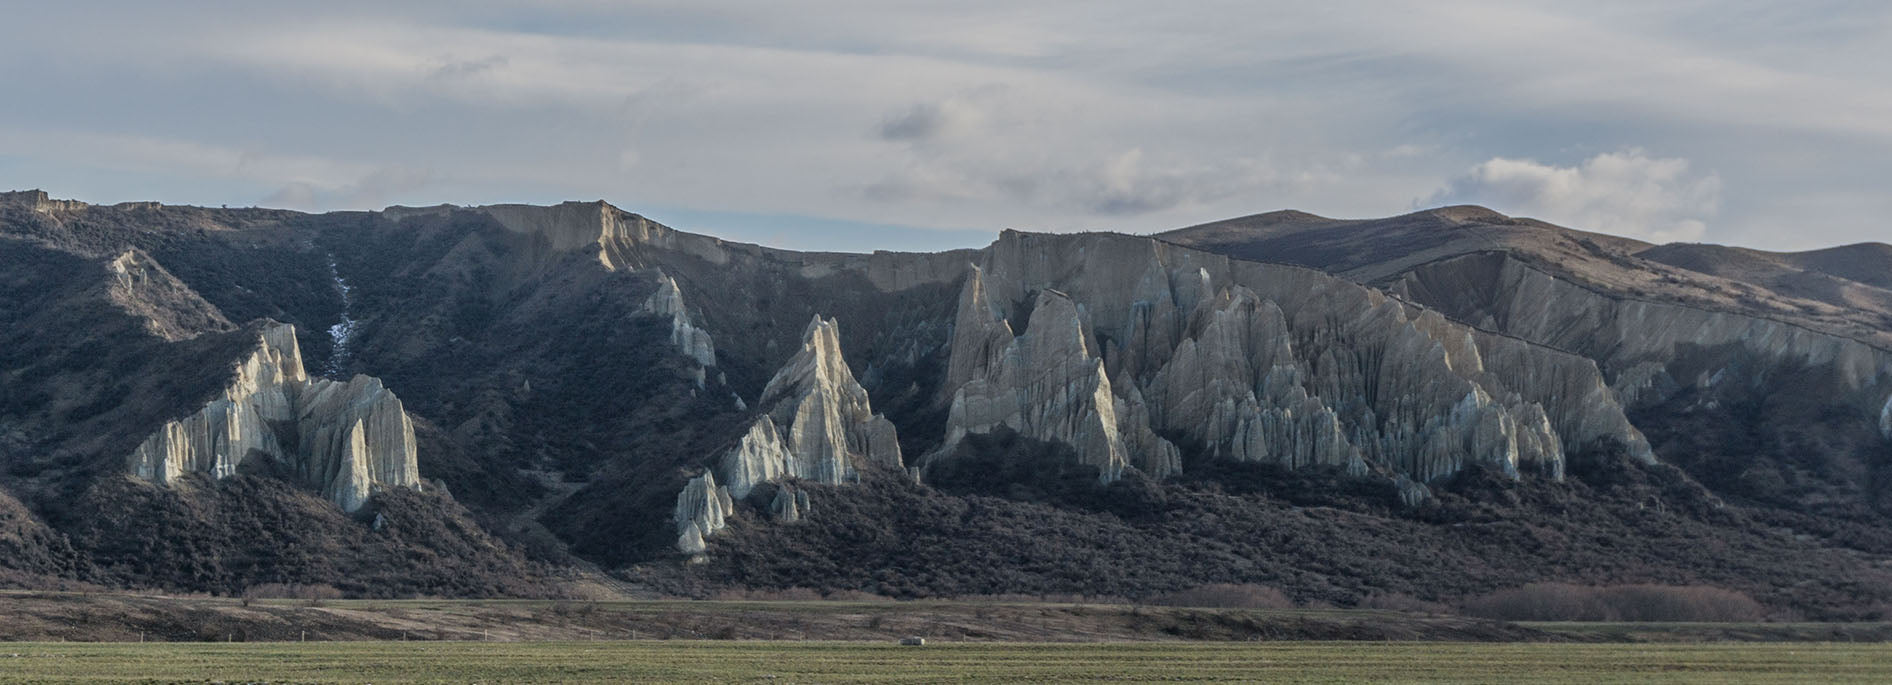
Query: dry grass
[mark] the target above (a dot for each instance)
(884, 662)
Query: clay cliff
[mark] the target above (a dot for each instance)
(1644, 343)
(815, 424)
(1701, 342)
(692, 341)
(1254, 362)
(1439, 405)
(347, 440)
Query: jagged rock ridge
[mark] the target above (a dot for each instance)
(1651, 350)
(1254, 362)
(1225, 360)
(692, 341)
(815, 425)
(1046, 384)
(344, 439)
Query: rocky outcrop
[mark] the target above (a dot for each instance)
(1651, 350)
(1106, 343)
(827, 429)
(39, 201)
(694, 342)
(703, 508)
(816, 425)
(142, 287)
(1046, 384)
(1885, 419)
(344, 439)
(788, 505)
(1254, 362)
(1234, 385)
(619, 239)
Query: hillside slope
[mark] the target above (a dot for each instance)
(1090, 413)
(1765, 375)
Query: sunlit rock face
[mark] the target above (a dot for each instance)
(618, 239)
(1885, 419)
(692, 341)
(816, 425)
(1653, 351)
(344, 439)
(703, 508)
(1254, 362)
(1045, 384)
(1123, 347)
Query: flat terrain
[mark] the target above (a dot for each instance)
(844, 662)
(88, 617)
(105, 617)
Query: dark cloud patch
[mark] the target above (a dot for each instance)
(469, 68)
(922, 121)
(1128, 184)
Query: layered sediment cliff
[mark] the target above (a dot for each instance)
(1253, 362)
(1115, 345)
(346, 440)
(692, 341)
(815, 424)
(1046, 384)
(1651, 350)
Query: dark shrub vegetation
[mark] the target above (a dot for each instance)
(1226, 596)
(1640, 603)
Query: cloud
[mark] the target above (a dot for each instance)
(1626, 193)
(469, 68)
(1126, 184)
(960, 116)
(1107, 114)
(371, 191)
(919, 122)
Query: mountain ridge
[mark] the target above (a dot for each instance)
(570, 369)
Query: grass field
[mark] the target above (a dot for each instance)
(852, 662)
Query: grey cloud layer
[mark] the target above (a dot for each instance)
(1696, 120)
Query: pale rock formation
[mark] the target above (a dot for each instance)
(1640, 341)
(759, 457)
(142, 287)
(702, 509)
(39, 201)
(1129, 336)
(1046, 384)
(1234, 385)
(1256, 362)
(350, 439)
(816, 425)
(1148, 452)
(827, 429)
(1885, 419)
(694, 342)
(1411, 493)
(355, 436)
(788, 505)
(622, 240)
(619, 239)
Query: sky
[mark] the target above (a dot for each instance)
(863, 125)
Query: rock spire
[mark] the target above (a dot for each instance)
(346, 440)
